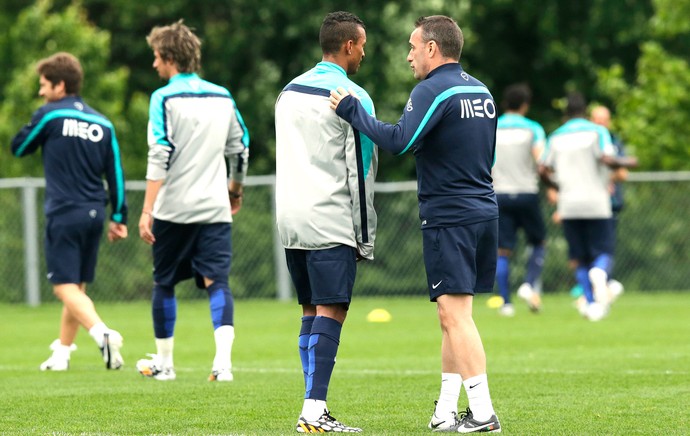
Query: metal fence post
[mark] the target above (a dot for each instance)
(284, 291)
(31, 273)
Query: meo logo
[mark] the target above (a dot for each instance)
(82, 129)
(477, 108)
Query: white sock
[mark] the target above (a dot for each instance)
(62, 352)
(450, 392)
(313, 409)
(97, 332)
(225, 336)
(477, 389)
(164, 350)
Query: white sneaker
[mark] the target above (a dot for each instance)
(445, 424)
(59, 360)
(531, 297)
(615, 289)
(596, 311)
(112, 343)
(507, 310)
(153, 368)
(221, 375)
(600, 289)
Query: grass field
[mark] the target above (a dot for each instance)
(552, 373)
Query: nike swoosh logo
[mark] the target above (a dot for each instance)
(433, 426)
(436, 285)
(474, 386)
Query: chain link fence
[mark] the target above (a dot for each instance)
(653, 250)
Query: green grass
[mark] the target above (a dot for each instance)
(552, 373)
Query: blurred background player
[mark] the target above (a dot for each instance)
(519, 145)
(325, 206)
(576, 162)
(602, 115)
(191, 194)
(79, 147)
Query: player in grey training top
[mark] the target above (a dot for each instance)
(519, 144)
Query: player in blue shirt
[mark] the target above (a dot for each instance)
(449, 123)
(79, 147)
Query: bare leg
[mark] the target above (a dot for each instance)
(462, 350)
(78, 305)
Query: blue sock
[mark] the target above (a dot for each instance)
(323, 346)
(222, 304)
(535, 264)
(605, 262)
(303, 342)
(503, 277)
(582, 277)
(164, 311)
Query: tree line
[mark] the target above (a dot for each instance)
(627, 54)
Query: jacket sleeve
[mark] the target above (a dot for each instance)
(31, 136)
(237, 147)
(116, 181)
(416, 119)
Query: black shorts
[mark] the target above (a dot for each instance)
(460, 260)
(519, 211)
(588, 239)
(183, 251)
(323, 276)
(71, 244)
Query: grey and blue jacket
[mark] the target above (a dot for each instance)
(194, 126)
(325, 169)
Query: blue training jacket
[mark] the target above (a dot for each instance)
(79, 146)
(449, 123)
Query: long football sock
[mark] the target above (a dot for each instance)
(164, 311)
(450, 392)
(323, 347)
(303, 342)
(224, 337)
(535, 264)
(477, 389)
(582, 277)
(503, 277)
(222, 304)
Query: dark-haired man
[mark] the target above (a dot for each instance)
(324, 201)
(519, 145)
(449, 123)
(79, 147)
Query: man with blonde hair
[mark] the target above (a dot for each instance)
(194, 126)
(79, 147)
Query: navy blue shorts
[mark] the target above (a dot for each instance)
(323, 276)
(71, 244)
(183, 251)
(519, 211)
(460, 260)
(587, 239)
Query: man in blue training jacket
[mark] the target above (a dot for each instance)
(79, 147)
(449, 123)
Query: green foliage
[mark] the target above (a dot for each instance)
(547, 372)
(39, 32)
(653, 113)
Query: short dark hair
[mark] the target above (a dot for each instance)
(177, 43)
(445, 32)
(515, 96)
(62, 67)
(338, 28)
(576, 105)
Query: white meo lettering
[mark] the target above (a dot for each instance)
(82, 129)
(477, 108)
